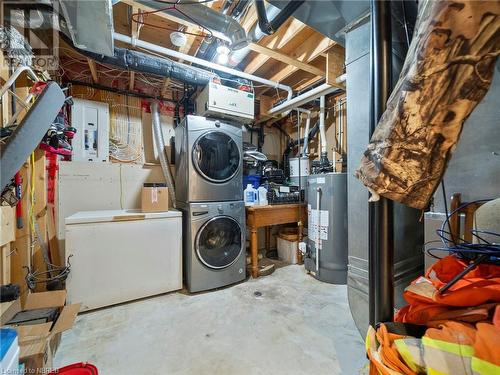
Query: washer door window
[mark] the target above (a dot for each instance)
(216, 156)
(219, 242)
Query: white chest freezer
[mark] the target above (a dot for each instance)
(122, 255)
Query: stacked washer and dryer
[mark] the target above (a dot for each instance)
(208, 154)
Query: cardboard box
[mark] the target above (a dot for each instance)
(39, 342)
(154, 197)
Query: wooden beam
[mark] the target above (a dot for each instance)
(335, 65)
(286, 59)
(305, 54)
(265, 104)
(131, 80)
(93, 70)
(167, 16)
(285, 34)
(40, 212)
(306, 84)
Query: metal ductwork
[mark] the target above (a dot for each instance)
(328, 17)
(90, 24)
(270, 27)
(254, 34)
(222, 26)
(208, 47)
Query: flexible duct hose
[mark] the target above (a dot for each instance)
(144, 63)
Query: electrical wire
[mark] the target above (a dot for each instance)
(136, 17)
(462, 248)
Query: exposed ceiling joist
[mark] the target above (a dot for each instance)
(164, 89)
(93, 70)
(305, 54)
(167, 16)
(306, 84)
(131, 80)
(286, 59)
(278, 40)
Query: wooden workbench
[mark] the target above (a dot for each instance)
(265, 216)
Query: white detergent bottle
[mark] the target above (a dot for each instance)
(250, 195)
(262, 193)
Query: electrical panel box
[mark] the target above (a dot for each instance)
(222, 101)
(91, 141)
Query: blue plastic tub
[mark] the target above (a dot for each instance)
(253, 179)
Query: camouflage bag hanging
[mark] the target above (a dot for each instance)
(447, 72)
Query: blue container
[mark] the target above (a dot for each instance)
(253, 179)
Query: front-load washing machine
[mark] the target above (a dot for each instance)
(208, 160)
(214, 244)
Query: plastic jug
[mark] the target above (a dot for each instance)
(262, 193)
(250, 195)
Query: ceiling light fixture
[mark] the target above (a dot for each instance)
(223, 52)
(178, 39)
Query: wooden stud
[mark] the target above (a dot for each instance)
(4, 75)
(40, 211)
(286, 59)
(5, 264)
(20, 248)
(7, 225)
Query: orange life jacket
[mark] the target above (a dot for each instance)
(478, 287)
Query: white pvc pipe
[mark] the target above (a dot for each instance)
(315, 93)
(341, 79)
(322, 124)
(205, 63)
(305, 146)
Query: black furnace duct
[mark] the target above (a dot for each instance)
(143, 63)
(408, 230)
(270, 27)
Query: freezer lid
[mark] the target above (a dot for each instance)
(118, 215)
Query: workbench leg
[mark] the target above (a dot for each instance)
(254, 252)
(299, 254)
(268, 239)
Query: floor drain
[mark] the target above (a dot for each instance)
(257, 294)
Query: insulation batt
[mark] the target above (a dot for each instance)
(448, 70)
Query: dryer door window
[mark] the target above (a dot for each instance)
(216, 156)
(219, 242)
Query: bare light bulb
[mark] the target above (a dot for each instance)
(222, 58)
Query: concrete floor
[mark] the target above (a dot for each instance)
(297, 326)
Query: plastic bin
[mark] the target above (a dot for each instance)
(288, 245)
(9, 351)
